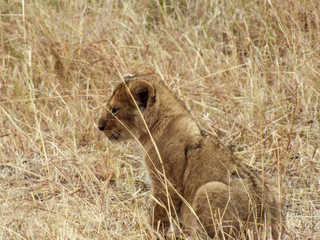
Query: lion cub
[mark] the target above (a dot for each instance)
(197, 183)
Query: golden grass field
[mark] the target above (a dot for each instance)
(248, 70)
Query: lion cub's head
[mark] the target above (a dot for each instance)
(121, 119)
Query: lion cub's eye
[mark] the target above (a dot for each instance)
(114, 110)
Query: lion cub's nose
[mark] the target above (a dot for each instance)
(101, 124)
(101, 128)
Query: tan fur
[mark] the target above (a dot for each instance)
(194, 178)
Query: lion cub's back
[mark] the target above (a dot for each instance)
(207, 160)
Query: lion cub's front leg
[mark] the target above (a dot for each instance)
(164, 217)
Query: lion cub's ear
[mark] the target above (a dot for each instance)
(142, 92)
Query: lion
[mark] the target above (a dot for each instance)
(198, 185)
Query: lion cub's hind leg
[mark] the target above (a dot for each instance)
(221, 210)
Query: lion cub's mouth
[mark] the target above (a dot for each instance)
(114, 136)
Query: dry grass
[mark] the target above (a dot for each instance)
(249, 70)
